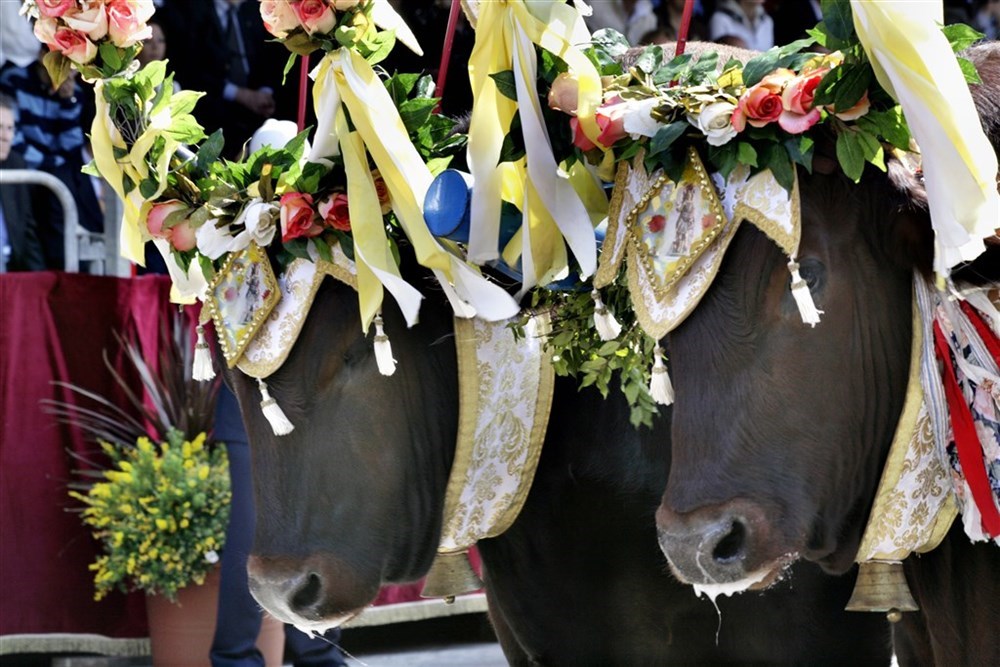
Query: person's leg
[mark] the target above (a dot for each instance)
(306, 651)
(239, 618)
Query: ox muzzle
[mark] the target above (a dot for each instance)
(314, 593)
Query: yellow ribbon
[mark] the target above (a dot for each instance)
(105, 138)
(914, 63)
(509, 32)
(375, 263)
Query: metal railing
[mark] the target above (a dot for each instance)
(99, 251)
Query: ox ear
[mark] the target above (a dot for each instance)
(909, 236)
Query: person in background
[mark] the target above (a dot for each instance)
(19, 247)
(793, 17)
(18, 44)
(239, 616)
(742, 23)
(50, 137)
(220, 47)
(671, 13)
(987, 19)
(632, 18)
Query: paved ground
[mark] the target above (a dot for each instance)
(465, 655)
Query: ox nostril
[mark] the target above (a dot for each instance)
(308, 595)
(732, 546)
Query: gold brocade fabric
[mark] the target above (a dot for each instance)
(505, 389)
(915, 503)
(672, 236)
(275, 338)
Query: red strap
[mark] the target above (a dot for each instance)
(970, 451)
(685, 26)
(989, 338)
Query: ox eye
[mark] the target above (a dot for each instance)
(813, 272)
(357, 351)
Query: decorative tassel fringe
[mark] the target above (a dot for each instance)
(803, 297)
(383, 349)
(660, 387)
(202, 370)
(607, 326)
(273, 412)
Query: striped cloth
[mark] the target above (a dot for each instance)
(49, 132)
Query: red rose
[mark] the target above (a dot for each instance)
(335, 212)
(298, 217)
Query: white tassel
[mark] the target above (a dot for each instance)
(383, 350)
(803, 297)
(659, 384)
(273, 412)
(605, 323)
(202, 370)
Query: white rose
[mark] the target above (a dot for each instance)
(259, 218)
(213, 242)
(715, 122)
(638, 121)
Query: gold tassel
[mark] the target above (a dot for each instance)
(660, 387)
(803, 297)
(273, 412)
(202, 369)
(383, 350)
(607, 326)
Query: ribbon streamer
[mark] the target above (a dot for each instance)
(552, 208)
(914, 63)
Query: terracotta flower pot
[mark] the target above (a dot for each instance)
(180, 634)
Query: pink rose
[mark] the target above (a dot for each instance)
(74, 45)
(45, 32)
(335, 212)
(855, 112)
(55, 8)
(127, 21)
(564, 93)
(315, 16)
(797, 95)
(279, 17)
(580, 140)
(758, 106)
(341, 5)
(158, 215)
(93, 21)
(182, 236)
(610, 118)
(297, 216)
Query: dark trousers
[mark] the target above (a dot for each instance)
(239, 617)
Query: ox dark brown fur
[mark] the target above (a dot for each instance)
(780, 431)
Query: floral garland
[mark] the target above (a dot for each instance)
(762, 114)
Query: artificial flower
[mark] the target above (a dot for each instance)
(715, 122)
(565, 93)
(92, 21)
(335, 212)
(127, 21)
(758, 106)
(279, 17)
(259, 219)
(382, 190)
(298, 219)
(315, 16)
(214, 240)
(55, 8)
(157, 217)
(639, 121)
(855, 112)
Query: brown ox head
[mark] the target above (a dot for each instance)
(780, 431)
(352, 498)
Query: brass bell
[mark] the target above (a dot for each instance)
(450, 575)
(881, 586)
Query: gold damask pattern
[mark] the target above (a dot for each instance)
(505, 388)
(274, 340)
(765, 203)
(915, 504)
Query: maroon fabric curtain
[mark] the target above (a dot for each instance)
(57, 326)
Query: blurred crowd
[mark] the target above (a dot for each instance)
(220, 47)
